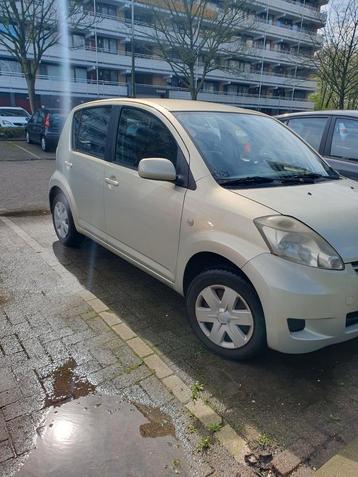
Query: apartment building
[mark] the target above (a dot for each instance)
(272, 71)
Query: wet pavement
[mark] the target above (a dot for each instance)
(101, 435)
(58, 358)
(289, 408)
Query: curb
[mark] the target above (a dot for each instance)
(345, 463)
(227, 437)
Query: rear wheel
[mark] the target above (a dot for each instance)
(63, 222)
(226, 314)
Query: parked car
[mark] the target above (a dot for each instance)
(13, 117)
(334, 134)
(226, 206)
(44, 128)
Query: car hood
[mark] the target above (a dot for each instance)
(329, 208)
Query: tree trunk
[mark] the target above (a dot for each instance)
(341, 101)
(30, 81)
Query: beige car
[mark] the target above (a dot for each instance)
(227, 206)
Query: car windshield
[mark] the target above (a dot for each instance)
(239, 147)
(19, 113)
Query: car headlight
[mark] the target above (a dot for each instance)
(290, 239)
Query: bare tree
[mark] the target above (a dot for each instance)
(338, 58)
(193, 34)
(30, 27)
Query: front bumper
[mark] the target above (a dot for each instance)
(323, 298)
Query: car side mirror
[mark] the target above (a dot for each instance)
(158, 169)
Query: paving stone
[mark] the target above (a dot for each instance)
(4, 435)
(303, 471)
(97, 305)
(124, 331)
(285, 462)
(155, 363)
(203, 412)
(22, 433)
(104, 356)
(33, 348)
(156, 390)
(105, 374)
(5, 451)
(110, 318)
(10, 344)
(130, 378)
(180, 390)
(7, 380)
(22, 407)
(78, 337)
(139, 347)
(10, 396)
(127, 358)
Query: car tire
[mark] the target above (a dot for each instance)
(63, 222)
(28, 140)
(44, 144)
(235, 326)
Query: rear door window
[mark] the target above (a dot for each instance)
(89, 130)
(310, 129)
(345, 139)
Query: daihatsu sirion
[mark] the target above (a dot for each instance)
(228, 207)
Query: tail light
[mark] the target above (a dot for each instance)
(47, 121)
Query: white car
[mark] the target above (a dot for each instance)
(12, 117)
(228, 207)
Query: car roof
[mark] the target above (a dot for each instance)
(172, 105)
(347, 112)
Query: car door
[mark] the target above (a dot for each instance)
(312, 129)
(143, 216)
(85, 166)
(341, 148)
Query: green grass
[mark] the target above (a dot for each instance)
(196, 390)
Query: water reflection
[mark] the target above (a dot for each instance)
(103, 436)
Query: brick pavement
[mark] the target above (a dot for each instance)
(301, 407)
(43, 324)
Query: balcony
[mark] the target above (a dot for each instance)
(249, 101)
(49, 85)
(293, 7)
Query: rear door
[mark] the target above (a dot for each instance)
(143, 216)
(341, 148)
(86, 165)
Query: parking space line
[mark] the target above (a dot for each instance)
(25, 150)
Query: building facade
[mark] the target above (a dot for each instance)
(273, 66)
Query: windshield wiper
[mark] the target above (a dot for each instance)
(244, 180)
(309, 177)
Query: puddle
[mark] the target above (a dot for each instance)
(104, 435)
(159, 425)
(67, 386)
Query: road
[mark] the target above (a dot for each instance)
(25, 172)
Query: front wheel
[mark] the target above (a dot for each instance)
(226, 314)
(63, 222)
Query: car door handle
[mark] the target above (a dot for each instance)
(112, 181)
(68, 164)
